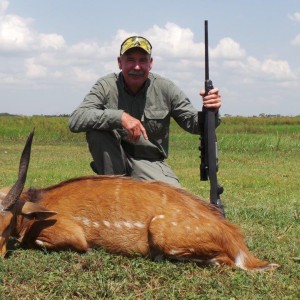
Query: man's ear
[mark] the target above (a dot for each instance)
(119, 63)
(33, 210)
(151, 63)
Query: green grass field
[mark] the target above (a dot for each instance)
(259, 168)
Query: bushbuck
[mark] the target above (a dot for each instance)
(123, 215)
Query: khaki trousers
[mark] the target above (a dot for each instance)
(110, 158)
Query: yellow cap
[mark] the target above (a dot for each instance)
(136, 41)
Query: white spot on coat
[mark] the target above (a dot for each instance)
(117, 224)
(240, 260)
(86, 221)
(117, 192)
(128, 224)
(39, 243)
(175, 252)
(139, 224)
(164, 199)
(213, 261)
(106, 223)
(96, 224)
(158, 217)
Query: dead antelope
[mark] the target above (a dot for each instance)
(124, 216)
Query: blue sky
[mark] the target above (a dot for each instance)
(52, 52)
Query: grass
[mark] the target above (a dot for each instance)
(259, 168)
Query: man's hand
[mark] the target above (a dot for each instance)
(134, 127)
(212, 100)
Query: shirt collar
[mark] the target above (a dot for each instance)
(123, 85)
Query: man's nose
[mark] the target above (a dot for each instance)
(137, 66)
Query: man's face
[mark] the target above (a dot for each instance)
(135, 65)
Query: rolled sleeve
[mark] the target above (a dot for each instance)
(91, 119)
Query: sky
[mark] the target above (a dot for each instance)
(53, 51)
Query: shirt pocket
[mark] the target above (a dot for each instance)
(157, 123)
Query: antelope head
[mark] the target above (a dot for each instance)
(11, 206)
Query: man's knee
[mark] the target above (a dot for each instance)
(153, 170)
(107, 153)
(102, 138)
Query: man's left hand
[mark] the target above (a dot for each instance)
(212, 99)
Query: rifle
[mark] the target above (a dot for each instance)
(208, 145)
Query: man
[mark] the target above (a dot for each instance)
(126, 116)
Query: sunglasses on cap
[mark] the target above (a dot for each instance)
(136, 41)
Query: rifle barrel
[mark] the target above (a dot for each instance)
(206, 50)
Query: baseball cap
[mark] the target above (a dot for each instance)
(136, 41)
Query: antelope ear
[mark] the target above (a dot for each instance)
(33, 210)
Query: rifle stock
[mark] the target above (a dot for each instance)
(208, 146)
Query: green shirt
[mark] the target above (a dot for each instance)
(158, 101)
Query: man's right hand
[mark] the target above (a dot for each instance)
(134, 127)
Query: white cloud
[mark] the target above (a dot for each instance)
(228, 49)
(268, 69)
(51, 41)
(295, 16)
(18, 35)
(277, 69)
(15, 34)
(296, 40)
(3, 6)
(91, 50)
(34, 70)
(84, 75)
(173, 47)
(173, 41)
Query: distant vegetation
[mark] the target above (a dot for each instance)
(263, 115)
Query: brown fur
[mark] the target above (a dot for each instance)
(128, 216)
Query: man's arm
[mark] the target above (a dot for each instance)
(92, 113)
